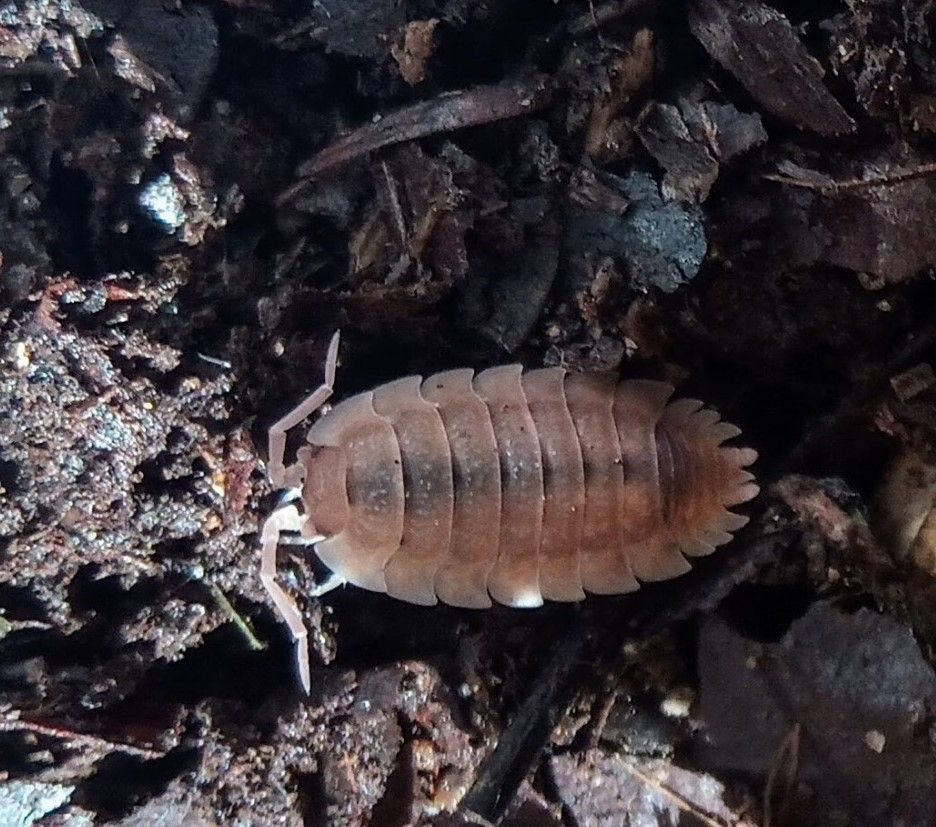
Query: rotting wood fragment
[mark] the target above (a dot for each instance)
(693, 140)
(753, 693)
(517, 271)
(913, 381)
(413, 49)
(757, 44)
(608, 131)
(450, 111)
(690, 168)
(905, 514)
(878, 220)
(594, 786)
(357, 28)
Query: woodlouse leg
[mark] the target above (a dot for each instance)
(315, 400)
(286, 518)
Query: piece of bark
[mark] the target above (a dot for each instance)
(690, 168)
(598, 788)
(876, 221)
(757, 45)
(357, 28)
(692, 140)
(447, 112)
(516, 258)
(414, 47)
(607, 134)
(845, 679)
(727, 131)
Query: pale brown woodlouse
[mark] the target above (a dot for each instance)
(511, 485)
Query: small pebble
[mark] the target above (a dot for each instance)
(164, 203)
(875, 740)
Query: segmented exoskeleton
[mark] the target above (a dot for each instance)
(506, 485)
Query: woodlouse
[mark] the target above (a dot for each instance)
(511, 485)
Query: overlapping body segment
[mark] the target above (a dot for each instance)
(520, 486)
(461, 579)
(563, 485)
(427, 486)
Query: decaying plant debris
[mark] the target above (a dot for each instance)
(737, 197)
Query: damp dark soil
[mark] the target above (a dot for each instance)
(736, 197)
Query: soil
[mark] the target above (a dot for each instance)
(737, 197)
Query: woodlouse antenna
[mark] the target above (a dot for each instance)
(287, 517)
(280, 476)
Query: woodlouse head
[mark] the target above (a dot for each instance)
(324, 496)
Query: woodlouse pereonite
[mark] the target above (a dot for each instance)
(511, 485)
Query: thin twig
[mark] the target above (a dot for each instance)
(599, 717)
(684, 804)
(445, 113)
(228, 610)
(781, 780)
(886, 179)
(394, 196)
(214, 360)
(597, 16)
(14, 724)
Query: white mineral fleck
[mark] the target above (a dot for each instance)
(164, 203)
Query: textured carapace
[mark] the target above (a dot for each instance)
(513, 486)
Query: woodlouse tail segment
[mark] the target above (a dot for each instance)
(700, 477)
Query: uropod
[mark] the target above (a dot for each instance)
(504, 485)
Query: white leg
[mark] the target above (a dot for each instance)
(286, 518)
(277, 446)
(290, 494)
